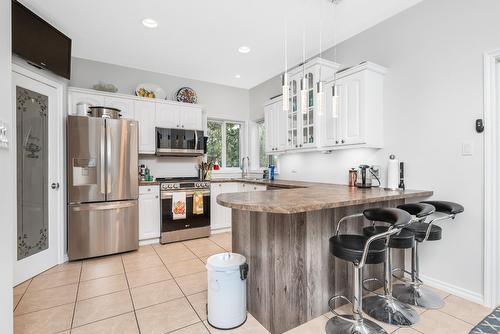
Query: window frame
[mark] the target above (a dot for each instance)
(261, 122)
(223, 161)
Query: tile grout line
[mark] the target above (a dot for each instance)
(22, 296)
(131, 299)
(76, 298)
(184, 295)
(462, 320)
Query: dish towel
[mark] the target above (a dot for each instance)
(198, 203)
(179, 205)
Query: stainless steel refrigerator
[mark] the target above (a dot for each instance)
(103, 188)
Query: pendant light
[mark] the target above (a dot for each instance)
(320, 94)
(304, 83)
(335, 96)
(284, 78)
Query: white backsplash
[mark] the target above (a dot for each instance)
(170, 166)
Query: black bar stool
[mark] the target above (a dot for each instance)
(385, 307)
(414, 293)
(361, 250)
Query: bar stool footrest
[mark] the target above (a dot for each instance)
(374, 279)
(331, 306)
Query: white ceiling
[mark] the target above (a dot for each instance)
(198, 39)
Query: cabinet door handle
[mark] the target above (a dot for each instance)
(183, 126)
(336, 142)
(156, 196)
(342, 141)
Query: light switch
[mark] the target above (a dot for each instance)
(4, 137)
(467, 149)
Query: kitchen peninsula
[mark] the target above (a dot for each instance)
(284, 234)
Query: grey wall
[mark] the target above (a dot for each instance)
(433, 94)
(219, 101)
(7, 173)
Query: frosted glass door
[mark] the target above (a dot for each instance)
(39, 166)
(32, 178)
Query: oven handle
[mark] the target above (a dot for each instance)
(189, 193)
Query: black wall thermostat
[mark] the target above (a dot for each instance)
(479, 125)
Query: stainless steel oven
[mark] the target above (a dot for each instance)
(179, 142)
(194, 225)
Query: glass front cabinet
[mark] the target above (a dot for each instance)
(303, 128)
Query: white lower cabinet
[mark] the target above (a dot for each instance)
(149, 212)
(220, 216)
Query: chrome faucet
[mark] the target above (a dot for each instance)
(244, 168)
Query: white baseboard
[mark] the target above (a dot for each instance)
(453, 289)
(222, 230)
(149, 241)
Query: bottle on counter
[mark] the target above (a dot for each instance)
(272, 169)
(142, 169)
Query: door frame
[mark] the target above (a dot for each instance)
(491, 179)
(60, 202)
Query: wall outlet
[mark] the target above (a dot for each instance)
(294, 171)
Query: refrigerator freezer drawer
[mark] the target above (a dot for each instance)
(98, 229)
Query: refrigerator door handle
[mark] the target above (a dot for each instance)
(103, 159)
(108, 158)
(102, 206)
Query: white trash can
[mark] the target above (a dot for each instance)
(227, 290)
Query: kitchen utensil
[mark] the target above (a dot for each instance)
(353, 176)
(104, 112)
(364, 177)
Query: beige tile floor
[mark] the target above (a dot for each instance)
(162, 289)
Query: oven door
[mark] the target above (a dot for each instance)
(168, 224)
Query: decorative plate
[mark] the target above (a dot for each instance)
(150, 90)
(187, 95)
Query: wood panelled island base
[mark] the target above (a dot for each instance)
(292, 274)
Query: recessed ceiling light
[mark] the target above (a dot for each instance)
(237, 76)
(243, 49)
(149, 23)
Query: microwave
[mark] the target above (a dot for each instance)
(180, 142)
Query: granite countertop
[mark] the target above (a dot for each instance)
(308, 196)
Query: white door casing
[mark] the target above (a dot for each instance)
(54, 254)
(491, 272)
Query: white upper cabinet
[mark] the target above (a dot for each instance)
(360, 109)
(275, 123)
(175, 116)
(145, 116)
(167, 116)
(126, 106)
(150, 113)
(75, 98)
(303, 127)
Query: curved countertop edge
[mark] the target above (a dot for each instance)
(311, 197)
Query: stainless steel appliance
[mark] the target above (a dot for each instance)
(194, 225)
(102, 186)
(179, 142)
(364, 177)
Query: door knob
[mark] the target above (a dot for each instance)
(55, 185)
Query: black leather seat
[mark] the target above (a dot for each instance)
(350, 247)
(419, 210)
(404, 240)
(420, 230)
(446, 207)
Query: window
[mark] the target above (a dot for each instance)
(261, 134)
(224, 143)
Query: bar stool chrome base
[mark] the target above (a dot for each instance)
(417, 295)
(337, 325)
(390, 310)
